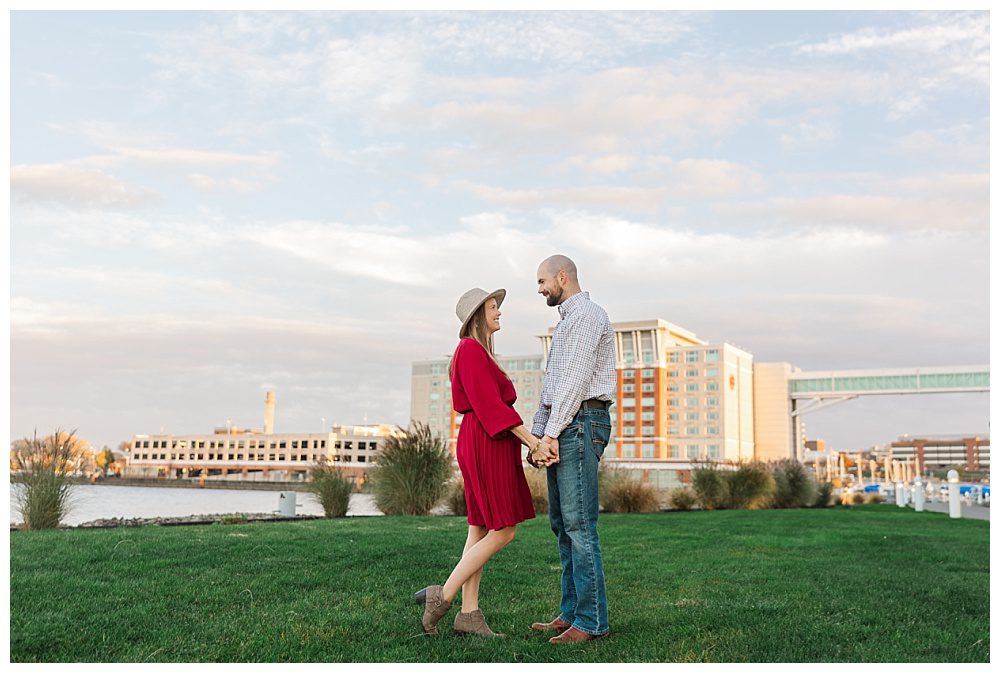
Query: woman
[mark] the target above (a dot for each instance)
(489, 454)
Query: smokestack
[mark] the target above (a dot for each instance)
(269, 413)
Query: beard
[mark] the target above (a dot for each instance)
(555, 297)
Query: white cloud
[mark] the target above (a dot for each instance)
(72, 186)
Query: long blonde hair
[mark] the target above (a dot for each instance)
(476, 329)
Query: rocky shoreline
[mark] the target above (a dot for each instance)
(192, 520)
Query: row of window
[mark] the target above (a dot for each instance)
(694, 451)
(240, 457)
(648, 416)
(241, 444)
(689, 356)
(649, 430)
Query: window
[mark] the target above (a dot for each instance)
(348, 445)
(361, 459)
(435, 396)
(673, 403)
(336, 445)
(691, 387)
(691, 373)
(712, 371)
(629, 431)
(673, 451)
(713, 451)
(674, 357)
(295, 443)
(673, 430)
(712, 415)
(691, 356)
(712, 430)
(173, 456)
(435, 383)
(647, 373)
(648, 449)
(629, 416)
(628, 402)
(628, 450)
(281, 456)
(712, 356)
(648, 416)
(281, 445)
(692, 451)
(713, 401)
(628, 388)
(672, 388)
(230, 456)
(648, 401)
(672, 373)
(628, 374)
(712, 386)
(692, 401)
(239, 456)
(692, 416)
(270, 456)
(692, 430)
(648, 430)
(673, 417)
(648, 387)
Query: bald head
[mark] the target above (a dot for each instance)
(556, 263)
(557, 279)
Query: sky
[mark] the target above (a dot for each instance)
(209, 205)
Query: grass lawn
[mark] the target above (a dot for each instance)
(873, 583)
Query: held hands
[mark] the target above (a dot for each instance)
(545, 452)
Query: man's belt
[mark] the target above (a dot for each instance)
(595, 404)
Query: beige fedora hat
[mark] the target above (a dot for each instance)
(469, 302)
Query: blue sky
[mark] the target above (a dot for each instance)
(209, 205)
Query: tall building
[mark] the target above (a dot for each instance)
(430, 392)
(680, 399)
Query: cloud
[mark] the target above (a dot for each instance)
(69, 185)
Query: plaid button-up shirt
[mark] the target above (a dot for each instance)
(581, 365)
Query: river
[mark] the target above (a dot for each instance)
(90, 502)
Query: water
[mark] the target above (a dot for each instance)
(105, 502)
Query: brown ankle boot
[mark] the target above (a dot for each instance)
(435, 606)
(474, 622)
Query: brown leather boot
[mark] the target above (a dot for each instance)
(557, 624)
(474, 622)
(435, 606)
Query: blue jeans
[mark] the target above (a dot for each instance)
(573, 515)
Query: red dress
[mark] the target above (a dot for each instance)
(496, 493)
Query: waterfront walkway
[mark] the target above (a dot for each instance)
(968, 511)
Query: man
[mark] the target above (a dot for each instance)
(573, 421)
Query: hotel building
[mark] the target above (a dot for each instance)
(680, 399)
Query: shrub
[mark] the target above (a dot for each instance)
(824, 495)
(875, 498)
(751, 486)
(330, 488)
(793, 485)
(232, 519)
(858, 499)
(710, 487)
(455, 497)
(624, 492)
(412, 471)
(538, 484)
(682, 499)
(41, 468)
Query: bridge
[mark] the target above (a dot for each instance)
(810, 391)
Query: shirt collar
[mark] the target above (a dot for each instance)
(573, 303)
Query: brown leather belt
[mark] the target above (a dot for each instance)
(595, 404)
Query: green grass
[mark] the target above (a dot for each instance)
(873, 583)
